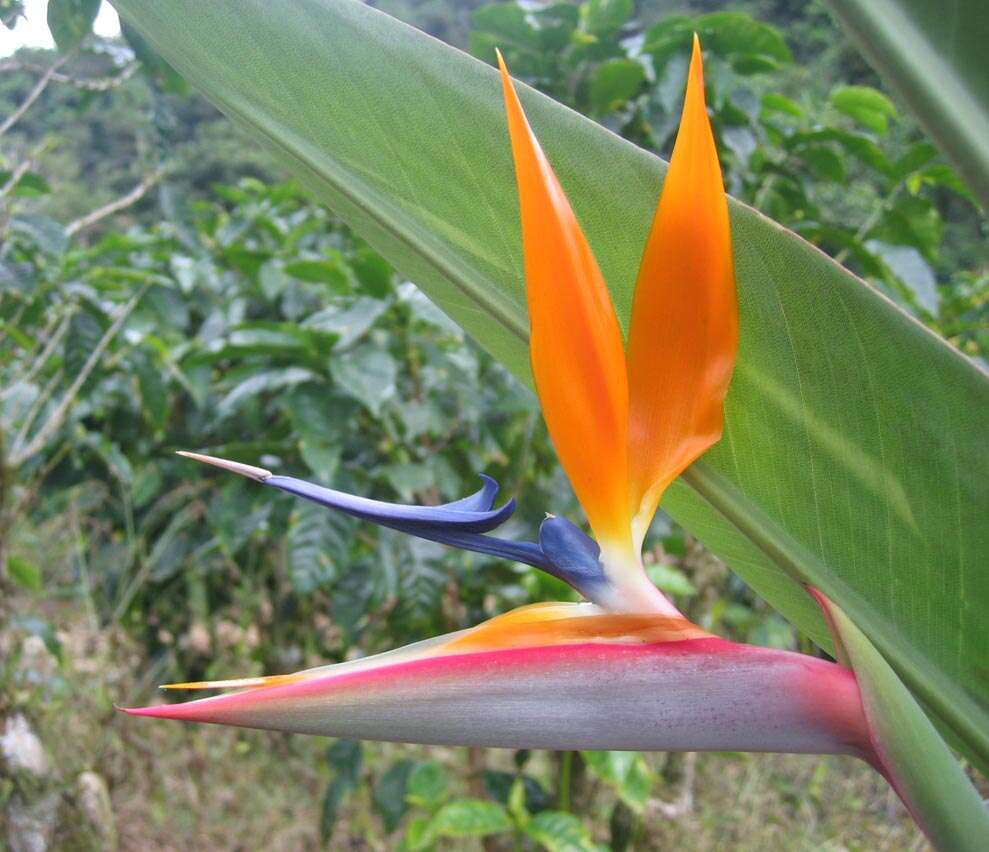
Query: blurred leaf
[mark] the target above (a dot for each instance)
(560, 832)
(70, 21)
(43, 629)
(934, 57)
(622, 825)
(774, 102)
(315, 547)
(368, 374)
(470, 818)
(602, 17)
(615, 82)
(29, 185)
(508, 23)
(427, 785)
(826, 164)
(82, 338)
(264, 382)
(670, 579)
(868, 106)
(389, 793)
(320, 272)
(499, 786)
(49, 235)
(345, 757)
(349, 324)
(26, 574)
(626, 772)
(154, 392)
(909, 266)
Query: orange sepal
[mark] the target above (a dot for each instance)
(684, 330)
(576, 350)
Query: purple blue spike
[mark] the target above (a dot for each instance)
(563, 549)
(407, 518)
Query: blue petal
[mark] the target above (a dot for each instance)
(465, 515)
(573, 555)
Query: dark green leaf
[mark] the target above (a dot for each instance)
(389, 793)
(70, 21)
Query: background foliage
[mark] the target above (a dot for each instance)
(224, 311)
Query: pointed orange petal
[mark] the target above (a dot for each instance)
(576, 344)
(684, 330)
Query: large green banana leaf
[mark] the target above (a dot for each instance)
(933, 52)
(855, 451)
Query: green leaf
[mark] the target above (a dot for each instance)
(320, 272)
(348, 325)
(48, 234)
(560, 832)
(915, 759)
(934, 56)
(868, 106)
(263, 382)
(368, 374)
(853, 455)
(615, 82)
(26, 574)
(626, 772)
(671, 579)
(154, 392)
(602, 17)
(315, 547)
(470, 818)
(427, 785)
(507, 22)
(82, 338)
(70, 21)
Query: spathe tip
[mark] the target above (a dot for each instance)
(159, 710)
(258, 473)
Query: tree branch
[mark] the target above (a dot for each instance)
(122, 203)
(19, 171)
(42, 359)
(89, 84)
(33, 95)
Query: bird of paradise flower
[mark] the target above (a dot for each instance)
(624, 669)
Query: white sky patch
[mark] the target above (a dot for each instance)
(32, 30)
